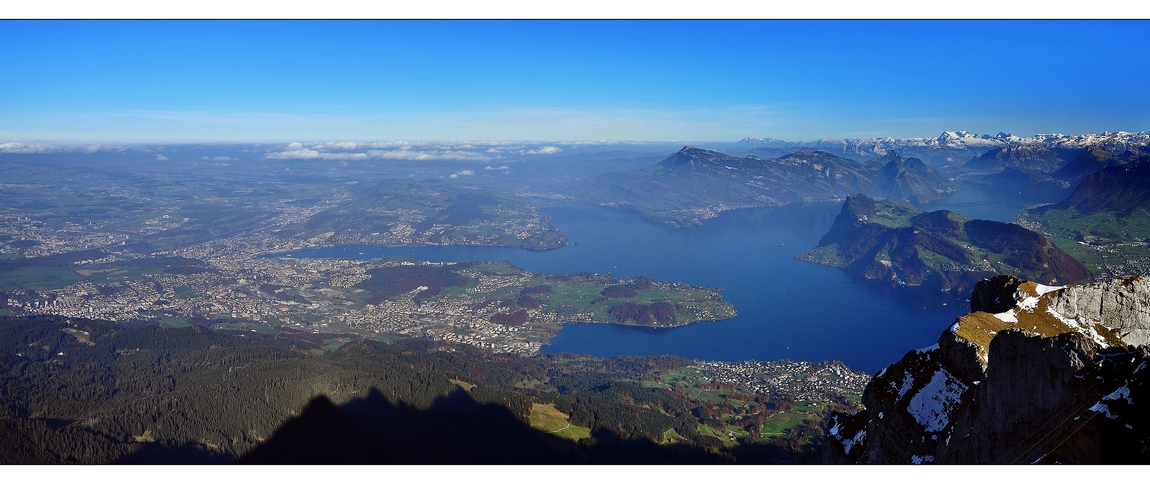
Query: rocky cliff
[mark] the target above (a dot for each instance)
(1033, 374)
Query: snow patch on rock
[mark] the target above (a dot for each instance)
(931, 406)
(1103, 409)
(907, 381)
(1123, 393)
(851, 442)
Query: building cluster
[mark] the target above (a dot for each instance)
(49, 241)
(810, 381)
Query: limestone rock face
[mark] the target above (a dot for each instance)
(1034, 374)
(1124, 305)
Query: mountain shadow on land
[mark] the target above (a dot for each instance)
(84, 391)
(456, 429)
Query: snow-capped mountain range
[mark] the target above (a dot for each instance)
(960, 141)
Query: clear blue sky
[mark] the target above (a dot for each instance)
(568, 80)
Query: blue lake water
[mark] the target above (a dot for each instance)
(975, 201)
(787, 308)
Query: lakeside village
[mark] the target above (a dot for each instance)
(238, 286)
(800, 380)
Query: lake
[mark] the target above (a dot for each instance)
(787, 308)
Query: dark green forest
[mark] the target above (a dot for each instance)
(82, 391)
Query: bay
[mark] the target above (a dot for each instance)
(788, 309)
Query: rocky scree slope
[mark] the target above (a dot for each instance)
(1033, 374)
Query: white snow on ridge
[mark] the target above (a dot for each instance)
(1043, 289)
(1113, 142)
(1085, 328)
(1007, 316)
(931, 406)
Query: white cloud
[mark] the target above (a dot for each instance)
(222, 158)
(488, 167)
(339, 145)
(91, 148)
(400, 151)
(389, 144)
(23, 149)
(306, 154)
(454, 175)
(406, 153)
(546, 150)
(161, 158)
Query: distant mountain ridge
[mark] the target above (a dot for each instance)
(1118, 188)
(956, 147)
(1114, 142)
(1035, 156)
(695, 184)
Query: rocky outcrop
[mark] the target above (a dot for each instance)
(1034, 374)
(1123, 306)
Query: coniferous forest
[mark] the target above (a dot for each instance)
(84, 391)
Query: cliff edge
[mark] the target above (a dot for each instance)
(1033, 374)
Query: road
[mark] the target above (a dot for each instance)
(1104, 266)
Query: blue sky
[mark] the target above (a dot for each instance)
(568, 80)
